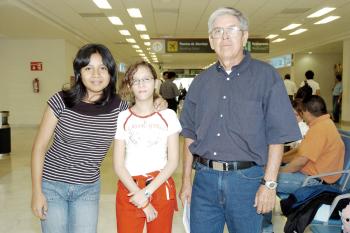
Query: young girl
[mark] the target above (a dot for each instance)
(146, 153)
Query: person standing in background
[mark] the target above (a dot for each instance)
(291, 87)
(236, 118)
(169, 91)
(312, 83)
(337, 97)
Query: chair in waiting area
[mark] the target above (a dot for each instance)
(334, 226)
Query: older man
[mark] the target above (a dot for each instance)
(235, 119)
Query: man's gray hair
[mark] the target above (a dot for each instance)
(228, 11)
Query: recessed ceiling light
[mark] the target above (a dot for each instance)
(139, 50)
(115, 20)
(145, 36)
(327, 19)
(131, 40)
(278, 40)
(134, 12)
(299, 31)
(140, 27)
(124, 32)
(321, 12)
(135, 46)
(271, 36)
(103, 4)
(310, 52)
(291, 26)
(147, 43)
(142, 55)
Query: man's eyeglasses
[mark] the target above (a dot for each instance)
(135, 82)
(217, 33)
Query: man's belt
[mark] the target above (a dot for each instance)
(222, 165)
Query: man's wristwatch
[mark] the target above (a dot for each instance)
(270, 184)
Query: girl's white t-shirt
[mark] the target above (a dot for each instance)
(146, 139)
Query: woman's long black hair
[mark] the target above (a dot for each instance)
(77, 92)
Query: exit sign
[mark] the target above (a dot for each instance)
(36, 66)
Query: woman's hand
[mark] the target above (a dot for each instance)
(39, 205)
(160, 104)
(150, 212)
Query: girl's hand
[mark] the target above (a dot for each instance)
(39, 205)
(150, 212)
(138, 198)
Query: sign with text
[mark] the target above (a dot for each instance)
(174, 45)
(36, 66)
(188, 46)
(257, 45)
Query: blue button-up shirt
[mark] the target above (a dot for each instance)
(234, 117)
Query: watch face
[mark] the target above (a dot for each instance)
(271, 184)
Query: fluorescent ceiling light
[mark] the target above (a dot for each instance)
(298, 31)
(327, 19)
(310, 52)
(135, 46)
(278, 40)
(142, 55)
(291, 26)
(140, 27)
(134, 12)
(103, 4)
(115, 20)
(147, 43)
(130, 40)
(124, 32)
(148, 48)
(271, 36)
(321, 12)
(145, 36)
(139, 50)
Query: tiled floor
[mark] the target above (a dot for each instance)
(15, 191)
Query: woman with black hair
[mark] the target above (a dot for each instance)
(82, 121)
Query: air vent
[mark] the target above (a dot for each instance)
(295, 10)
(92, 15)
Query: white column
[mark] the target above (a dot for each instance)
(345, 116)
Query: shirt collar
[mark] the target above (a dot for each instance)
(239, 67)
(319, 119)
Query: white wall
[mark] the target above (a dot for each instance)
(322, 65)
(16, 92)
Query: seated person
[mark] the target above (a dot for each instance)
(321, 151)
(297, 108)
